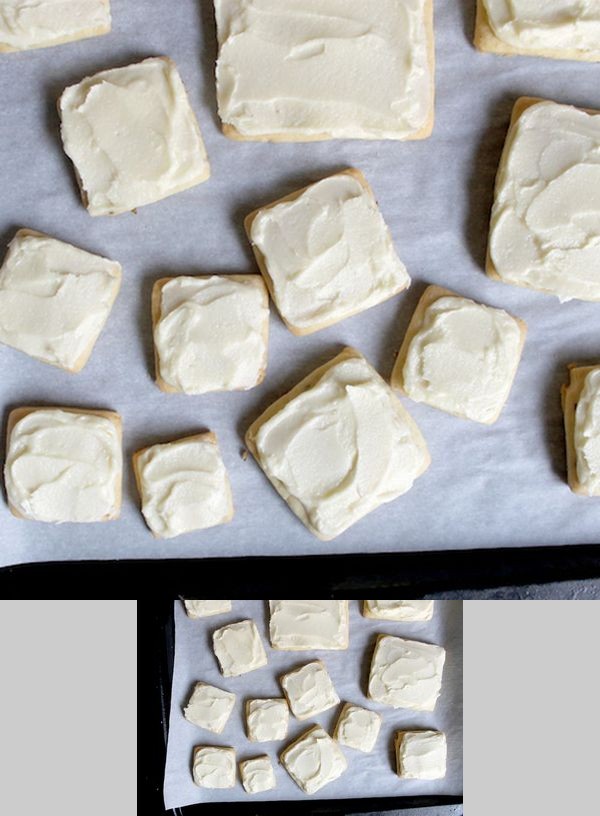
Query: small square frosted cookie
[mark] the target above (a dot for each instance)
(314, 760)
(326, 252)
(214, 767)
(561, 29)
(406, 673)
(211, 333)
(64, 464)
(407, 611)
(309, 690)
(459, 356)
(421, 754)
(544, 230)
(257, 774)
(25, 25)
(581, 408)
(340, 415)
(336, 69)
(301, 625)
(183, 485)
(54, 299)
(357, 728)
(204, 609)
(209, 707)
(238, 648)
(132, 136)
(267, 720)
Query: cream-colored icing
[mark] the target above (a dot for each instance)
(214, 767)
(545, 227)
(406, 673)
(339, 68)
(267, 720)
(257, 775)
(463, 358)
(299, 625)
(587, 434)
(39, 23)
(184, 487)
(132, 136)
(209, 707)
(203, 609)
(358, 728)
(537, 25)
(341, 448)
(211, 333)
(400, 610)
(54, 298)
(238, 648)
(63, 466)
(421, 754)
(309, 690)
(314, 760)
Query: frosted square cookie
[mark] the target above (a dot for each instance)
(211, 333)
(308, 70)
(209, 707)
(357, 728)
(314, 760)
(459, 356)
(238, 648)
(63, 464)
(309, 690)
(326, 252)
(407, 611)
(132, 136)
(54, 299)
(267, 720)
(421, 754)
(204, 609)
(562, 29)
(581, 408)
(406, 673)
(544, 230)
(257, 775)
(300, 625)
(25, 25)
(183, 485)
(343, 423)
(213, 766)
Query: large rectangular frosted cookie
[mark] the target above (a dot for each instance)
(305, 70)
(132, 135)
(25, 24)
(314, 760)
(406, 673)
(581, 409)
(301, 625)
(63, 464)
(459, 356)
(545, 223)
(343, 423)
(560, 29)
(325, 252)
(406, 611)
(54, 299)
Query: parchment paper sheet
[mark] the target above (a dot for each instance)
(368, 775)
(487, 486)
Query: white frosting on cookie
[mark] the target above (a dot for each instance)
(406, 673)
(314, 760)
(39, 23)
(309, 690)
(300, 625)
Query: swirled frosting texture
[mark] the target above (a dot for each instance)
(358, 728)
(338, 450)
(587, 434)
(406, 673)
(209, 707)
(257, 775)
(214, 767)
(309, 690)
(204, 609)
(212, 333)
(132, 136)
(298, 625)
(324, 68)
(54, 299)
(40, 23)
(421, 754)
(64, 466)
(314, 760)
(267, 719)
(463, 358)
(536, 25)
(407, 611)
(328, 253)
(238, 648)
(545, 227)
(184, 487)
